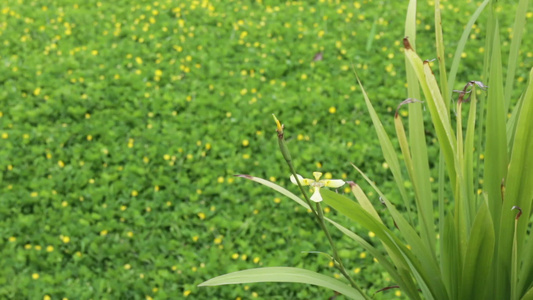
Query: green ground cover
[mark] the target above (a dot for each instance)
(123, 123)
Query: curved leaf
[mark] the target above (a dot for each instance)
(284, 274)
(276, 188)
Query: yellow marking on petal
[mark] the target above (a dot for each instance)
(317, 175)
(300, 178)
(334, 183)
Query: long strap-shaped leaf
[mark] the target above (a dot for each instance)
(496, 158)
(396, 248)
(525, 275)
(461, 45)
(399, 273)
(417, 141)
(495, 168)
(469, 156)
(518, 32)
(423, 262)
(437, 109)
(285, 274)
(519, 187)
(479, 254)
(390, 157)
(439, 42)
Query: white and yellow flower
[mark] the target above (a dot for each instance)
(316, 184)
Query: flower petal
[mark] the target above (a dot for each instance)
(302, 180)
(334, 183)
(317, 175)
(316, 195)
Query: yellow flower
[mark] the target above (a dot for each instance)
(317, 184)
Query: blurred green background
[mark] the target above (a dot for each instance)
(123, 123)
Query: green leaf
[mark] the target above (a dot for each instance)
(525, 277)
(496, 160)
(461, 45)
(437, 109)
(284, 274)
(417, 138)
(400, 275)
(528, 295)
(468, 170)
(391, 157)
(277, 188)
(363, 200)
(478, 259)
(423, 263)
(518, 32)
(439, 42)
(451, 258)
(513, 120)
(519, 190)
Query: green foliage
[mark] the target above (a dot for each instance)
(122, 124)
(477, 251)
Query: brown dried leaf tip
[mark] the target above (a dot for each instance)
(519, 212)
(387, 288)
(351, 183)
(502, 189)
(466, 90)
(406, 101)
(244, 176)
(406, 43)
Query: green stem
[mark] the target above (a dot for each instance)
(319, 215)
(336, 257)
(320, 219)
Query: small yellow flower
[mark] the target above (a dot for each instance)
(317, 184)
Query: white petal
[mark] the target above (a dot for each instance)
(302, 180)
(316, 195)
(334, 183)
